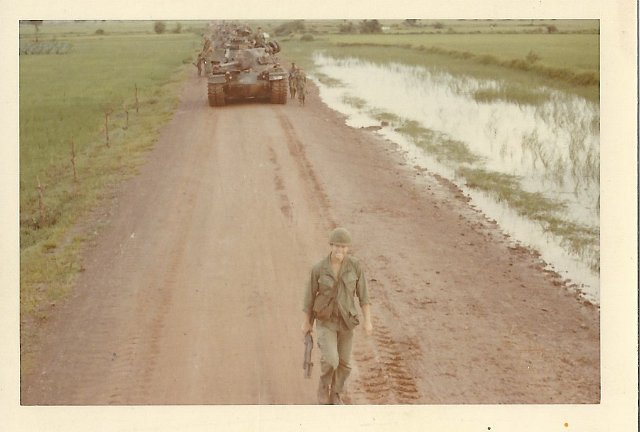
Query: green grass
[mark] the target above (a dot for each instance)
(569, 62)
(511, 94)
(518, 75)
(578, 239)
(327, 80)
(60, 29)
(354, 101)
(39, 48)
(579, 52)
(63, 98)
(441, 147)
(384, 116)
(429, 26)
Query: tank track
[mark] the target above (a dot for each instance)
(216, 95)
(279, 91)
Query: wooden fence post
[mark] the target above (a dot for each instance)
(41, 203)
(137, 102)
(73, 161)
(106, 127)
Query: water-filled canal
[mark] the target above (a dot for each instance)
(547, 143)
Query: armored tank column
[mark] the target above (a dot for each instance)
(246, 72)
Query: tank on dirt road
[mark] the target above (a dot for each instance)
(248, 74)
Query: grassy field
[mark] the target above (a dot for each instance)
(574, 51)
(518, 52)
(388, 26)
(64, 29)
(64, 100)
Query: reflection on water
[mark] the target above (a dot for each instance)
(549, 142)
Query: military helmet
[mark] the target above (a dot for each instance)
(340, 236)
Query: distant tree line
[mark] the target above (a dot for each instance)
(289, 27)
(160, 27)
(364, 26)
(370, 26)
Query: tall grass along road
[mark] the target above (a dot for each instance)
(88, 115)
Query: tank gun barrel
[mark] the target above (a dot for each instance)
(228, 66)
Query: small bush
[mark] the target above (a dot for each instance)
(518, 64)
(370, 26)
(178, 28)
(487, 59)
(290, 27)
(30, 48)
(532, 57)
(159, 27)
(552, 29)
(347, 27)
(438, 26)
(307, 38)
(99, 32)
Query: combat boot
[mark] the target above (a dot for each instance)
(336, 399)
(323, 395)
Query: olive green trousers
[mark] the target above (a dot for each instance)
(335, 349)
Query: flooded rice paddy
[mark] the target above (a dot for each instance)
(528, 157)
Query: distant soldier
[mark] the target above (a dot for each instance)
(258, 38)
(301, 85)
(199, 62)
(206, 43)
(292, 81)
(208, 61)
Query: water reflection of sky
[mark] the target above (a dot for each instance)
(553, 146)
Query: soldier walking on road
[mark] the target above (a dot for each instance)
(292, 81)
(301, 85)
(329, 300)
(199, 63)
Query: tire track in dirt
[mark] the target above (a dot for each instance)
(386, 378)
(285, 204)
(134, 358)
(384, 375)
(124, 373)
(297, 152)
(141, 350)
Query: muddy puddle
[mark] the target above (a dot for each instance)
(540, 142)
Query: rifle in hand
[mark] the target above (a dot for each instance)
(308, 347)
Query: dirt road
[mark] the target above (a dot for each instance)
(192, 291)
